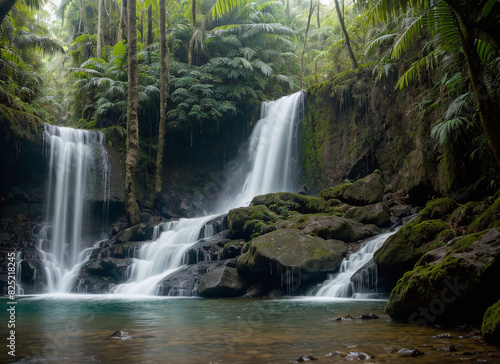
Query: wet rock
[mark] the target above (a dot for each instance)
(255, 290)
(377, 214)
(460, 274)
(366, 191)
(275, 293)
(303, 190)
(402, 250)
(139, 232)
(186, 209)
(354, 355)
(222, 282)
(469, 353)
(109, 267)
(401, 211)
(448, 348)
(369, 316)
(304, 358)
(444, 335)
(330, 227)
(117, 227)
(408, 352)
(436, 209)
(345, 317)
(288, 259)
(122, 335)
(146, 217)
(245, 221)
(231, 251)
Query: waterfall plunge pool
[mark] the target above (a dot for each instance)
(71, 328)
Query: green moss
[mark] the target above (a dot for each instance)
(245, 221)
(464, 214)
(488, 219)
(436, 209)
(287, 201)
(491, 324)
(334, 193)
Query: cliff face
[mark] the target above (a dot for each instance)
(353, 125)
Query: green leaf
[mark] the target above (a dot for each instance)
(488, 7)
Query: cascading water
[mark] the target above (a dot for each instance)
(265, 166)
(78, 170)
(341, 284)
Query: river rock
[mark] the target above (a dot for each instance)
(304, 358)
(287, 258)
(491, 324)
(451, 283)
(107, 267)
(401, 211)
(122, 335)
(378, 214)
(255, 290)
(139, 232)
(366, 191)
(222, 282)
(330, 227)
(403, 249)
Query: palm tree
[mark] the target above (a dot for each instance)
(469, 27)
(132, 119)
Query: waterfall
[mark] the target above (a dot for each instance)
(356, 272)
(264, 165)
(78, 171)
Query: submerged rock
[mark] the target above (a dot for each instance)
(286, 258)
(408, 352)
(449, 284)
(222, 282)
(122, 335)
(304, 358)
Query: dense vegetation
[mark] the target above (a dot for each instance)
(194, 67)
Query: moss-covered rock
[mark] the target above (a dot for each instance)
(436, 209)
(289, 259)
(139, 232)
(464, 214)
(244, 221)
(377, 214)
(451, 284)
(491, 324)
(299, 203)
(330, 227)
(222, 282)
(488, 219)
(366, 191)
(336, 192)
(402, 250)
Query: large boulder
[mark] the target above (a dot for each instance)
(402, 250)
(451, 284)
(366, 191)
(222, 282)
(491, 324)
(330, 227)
(436, 209)
(289, 259)
(244, 221)
(291, 201)
(139, 232)
(334, 193)
(377, 214)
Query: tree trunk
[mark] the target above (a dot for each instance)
(141, 27)
(193, 12)
(190, 50)
(150, 25)
(317, 17)
(132, 120)
(164, 84)
(122, 30)
(346, 36)
(100, 14)
(311, 10)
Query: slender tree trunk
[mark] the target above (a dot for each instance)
(122, 31)
(346, 36)
(132, 118)
(192, 41)
(311, 10)
(150, 25)
(318, 17)
(164, 84)
(287, 8)
(141, 27)
(100, 14)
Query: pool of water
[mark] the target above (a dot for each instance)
(77, 329)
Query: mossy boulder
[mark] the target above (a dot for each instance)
(452, 284)
(491, 324)
(222, 282)
(295, 202)
(402, 250)
(330, 227)
(488, 219)
(139, 232)
(289, 259)
(436, 209)
(244, 221)
(366, 191)
(465, 214)
(377, 214)
(334, 193)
